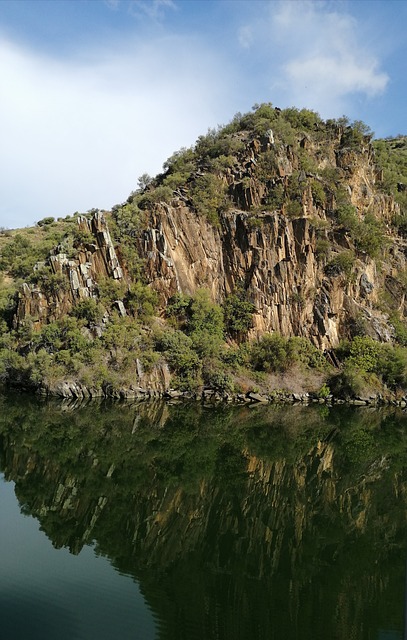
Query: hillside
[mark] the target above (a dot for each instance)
(270, 256)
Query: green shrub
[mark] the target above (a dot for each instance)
(46, 221)
(209, 196)
(369, 236)
(267, 167)
(153, 196)
(238, 314)
(349, 383)
(178, 309)
(179, 352)
(275, 197)
(51, 284)
(214, 377)
(303, 351)
(111, 290)
(322, 248)
(205, 325)
(13, 367)
(347, 217)
(90, 310)
(324, 391)
(363, 356)
(342, 263)
(393, 365)
(81, 236)
(294, 209)
(318, 193)
(141, 300)
(400, 328)
(270, 353)
(364, 353)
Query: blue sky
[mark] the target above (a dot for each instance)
(94, 93)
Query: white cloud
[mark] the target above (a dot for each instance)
(245, 36)
(317, 56)
(76, 135)
(112, 4)
(154, 9)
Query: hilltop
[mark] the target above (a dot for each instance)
(270, 256)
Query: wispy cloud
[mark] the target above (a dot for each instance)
(317, 56)
(154, 9)
(78, 134)
(245, 36)
(112, 4)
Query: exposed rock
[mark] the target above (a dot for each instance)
(92, 262)
(272, 252)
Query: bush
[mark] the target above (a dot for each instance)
(270, 353)
(238, 314)
(141, 300)
(153, 196)
(90, 310)
(393, 366)
(349, 383)
(369, 236)
(111, 290)
(50, 283)
(367, 356)
(322, 248)
(177, 348)
(318, 193)
(82, 236)
(209, 196)
(294, 209)
(303, 351)
(217, 379)
(400, 329)
(347, 217)
(342, 263)
(205, 325)
(45, 221)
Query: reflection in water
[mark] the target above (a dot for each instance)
(237, 523)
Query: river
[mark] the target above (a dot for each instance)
(173, 522)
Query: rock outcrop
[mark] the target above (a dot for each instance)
(285, 256)
(91, 261)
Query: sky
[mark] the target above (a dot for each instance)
(95, 93)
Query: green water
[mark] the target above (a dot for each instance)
(184, 522)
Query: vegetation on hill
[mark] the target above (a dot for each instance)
(206, 342)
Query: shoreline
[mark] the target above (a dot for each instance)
(207, 396)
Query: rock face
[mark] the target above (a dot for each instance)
(276, 260)
(273, 253)
(89, 264)
(275, 256)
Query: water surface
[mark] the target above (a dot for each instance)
(172, 522)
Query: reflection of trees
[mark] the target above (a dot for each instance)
(243, 523)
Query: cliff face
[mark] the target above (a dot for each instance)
(277, 264)
(275, 256)
(92, 261)
(278, 235)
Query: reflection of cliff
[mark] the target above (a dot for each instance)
(237, 524)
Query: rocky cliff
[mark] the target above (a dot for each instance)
(291, 212)
(93, 260)
(278, 254)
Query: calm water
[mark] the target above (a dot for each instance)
(183, 522)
